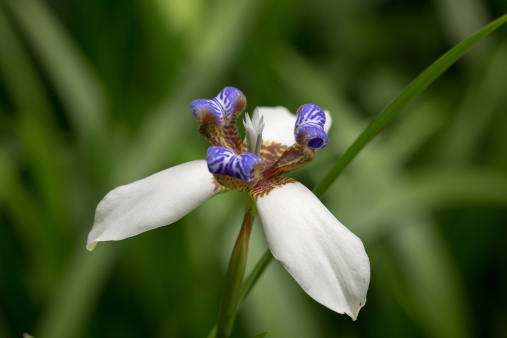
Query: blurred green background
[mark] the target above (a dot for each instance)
(94, 94)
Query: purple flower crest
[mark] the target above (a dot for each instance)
(309, 128)
(221, 106)
(222, 161)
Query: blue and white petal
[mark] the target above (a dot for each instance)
(323, 256)
(222, 161)
(222, 107)
(152, 202)
(279, 125)
(309, 127)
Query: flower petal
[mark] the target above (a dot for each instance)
(323, 256)
(309, 128)
(220, 110)
(279, 125)
(222, 161)
(155, 201)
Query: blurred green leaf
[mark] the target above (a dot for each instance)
(21, 79)
(74, 298)
(475, 113)
(431, 190)
(310, 84)
(44, 154)
(407, 95)
(430, 275)
(65, 65)
(461, 18)
(21, 203)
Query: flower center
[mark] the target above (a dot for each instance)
(237, 169)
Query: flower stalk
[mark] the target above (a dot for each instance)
(235, 273)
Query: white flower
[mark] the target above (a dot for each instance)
(323, 256)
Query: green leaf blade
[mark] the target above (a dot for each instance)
(415, 88)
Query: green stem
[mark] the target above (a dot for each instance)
(235, 273)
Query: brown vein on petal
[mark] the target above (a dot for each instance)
(271, 152)
(292, 158)
(226, 136)
(265, 186)
(231, 136)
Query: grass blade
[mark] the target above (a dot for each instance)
(68, 69)
(401, 101)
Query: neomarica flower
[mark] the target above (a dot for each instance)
(323, 256)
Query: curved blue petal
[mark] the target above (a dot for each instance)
(221, 107)
(219, 159)
(309, 127)
(316, 137)
(222, 161)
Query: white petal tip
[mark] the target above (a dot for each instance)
(247, 122)
(356, 314)
(91, 246)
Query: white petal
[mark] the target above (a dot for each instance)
(279, 124)
(155, 201)
(323, 256)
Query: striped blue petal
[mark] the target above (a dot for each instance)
(220, 107)
(309, 127)
(222, 161)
